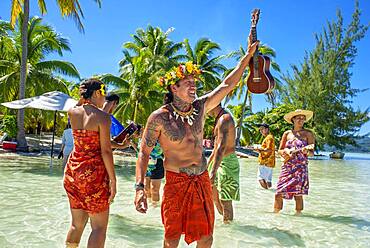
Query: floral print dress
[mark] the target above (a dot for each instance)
(293, 179)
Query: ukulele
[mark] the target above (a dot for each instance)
(259, 80)
(292, 151)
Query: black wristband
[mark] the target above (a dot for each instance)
(139, 186)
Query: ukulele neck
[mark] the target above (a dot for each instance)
(256, 77)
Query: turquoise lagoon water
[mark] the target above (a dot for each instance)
(34, 210)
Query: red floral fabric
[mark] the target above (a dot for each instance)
(86, 180)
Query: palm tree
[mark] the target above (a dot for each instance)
(203, 55)
(137, 86)
(242, 89)
(70, 8)
(42, 75)
(155, 42)
(145, 58)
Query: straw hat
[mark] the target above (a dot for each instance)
(288, 117)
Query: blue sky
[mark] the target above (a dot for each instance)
(286, 26)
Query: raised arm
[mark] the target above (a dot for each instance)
(230, 82)
(150, 137)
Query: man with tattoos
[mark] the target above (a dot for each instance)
(224, 164)
(187, 205)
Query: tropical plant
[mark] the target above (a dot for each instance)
(156, 44)
(274, 118)
(323, 83)
(149, 55)
(9, 125)
(242, 90)
(70, 8)
(137, 89)
(42, 74)
(203, 55)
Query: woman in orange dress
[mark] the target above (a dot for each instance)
(89, 177)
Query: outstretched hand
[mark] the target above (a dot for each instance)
(253, 47)
(141, 203)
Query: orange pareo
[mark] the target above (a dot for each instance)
(86, 180)
(187, 206)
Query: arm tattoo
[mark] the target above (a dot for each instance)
(150, 137)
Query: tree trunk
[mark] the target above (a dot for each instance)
(240, 124)
(135, 112)
(21, 136)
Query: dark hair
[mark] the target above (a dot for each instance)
(168, 97)
(138, 127)
(263, 125)
(88, 86)
(112, 98)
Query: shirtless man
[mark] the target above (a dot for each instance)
(224, 164)
(187, 205)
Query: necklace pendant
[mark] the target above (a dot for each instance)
(190, 121)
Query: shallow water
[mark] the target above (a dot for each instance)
(34, 210)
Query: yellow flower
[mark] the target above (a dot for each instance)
(189, 66)
(102, 90)
(179, 72)
(168, 75)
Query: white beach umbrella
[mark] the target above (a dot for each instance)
(54, 101)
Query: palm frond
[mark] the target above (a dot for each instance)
(58, 66)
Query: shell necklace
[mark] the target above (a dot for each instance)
(189, 116)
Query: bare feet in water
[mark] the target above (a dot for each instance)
(276, 211)
(298, 213)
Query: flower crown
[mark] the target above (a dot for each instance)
(179, 72)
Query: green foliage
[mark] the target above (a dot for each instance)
(145, 58)
(202, 55)
(43, 75)
(208, 128)
(322, 83)
(273, 117)
(9, 125)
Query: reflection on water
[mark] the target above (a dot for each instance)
(34, 211)
(348, 220)
(283, 237)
